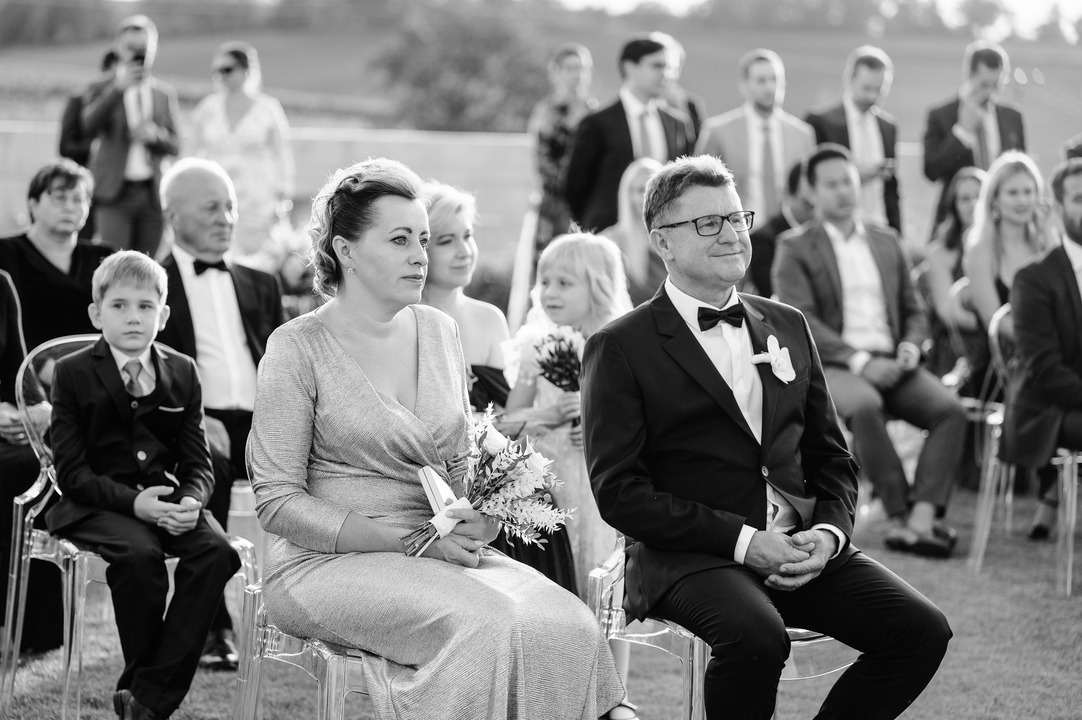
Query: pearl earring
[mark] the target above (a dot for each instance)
(350, 270)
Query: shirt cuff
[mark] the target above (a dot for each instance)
(842, 539)
(858, 360)
(967, 138)
(742, 543)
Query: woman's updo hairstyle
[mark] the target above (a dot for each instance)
(345, 207)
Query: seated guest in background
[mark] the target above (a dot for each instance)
(977, 125)
(735, 486)
(634, 126)
(133, 116)
(1010, 226)
(133, 508)
(852, 282)
(482, 329)
(796, 209)
(75, 143)
(758, 141)
(246, 132)
(221, 316)
(353, 399)
(860, 124)
(49, 265)
(676, 97)
(645, 271)
(19, 466)
(1044, 396)
(955, 331)
(553, 123)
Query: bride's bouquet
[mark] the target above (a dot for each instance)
(559, 355)
(507, 480)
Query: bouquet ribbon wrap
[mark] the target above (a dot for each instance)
(444, 524)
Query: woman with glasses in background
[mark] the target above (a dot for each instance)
(246, 132)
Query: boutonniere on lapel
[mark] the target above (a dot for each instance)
(778, 357)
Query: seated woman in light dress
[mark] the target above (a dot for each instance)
(452, 259)
(645, 269)
(246, 132)
(353, 400)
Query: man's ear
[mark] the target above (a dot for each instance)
(95, 315)
(660, 244)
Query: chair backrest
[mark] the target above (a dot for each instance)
(33, 384)
(1000, 345)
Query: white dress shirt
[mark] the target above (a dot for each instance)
(634, 108)
(865, 325)
(866, 144)
(752, 191)
(226, 368)
(138, 108)
(729, 349)
(148, 378)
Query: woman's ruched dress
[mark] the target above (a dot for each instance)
(441, 641)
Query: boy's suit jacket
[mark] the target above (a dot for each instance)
(674, 464)
(259, 297)
(1046, 371)
(831, 126)
(104, 118)
(105, 443)
(806, 276)
(601, 152)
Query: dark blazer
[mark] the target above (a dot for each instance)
(105, 444)
(763, 248)
(674, 465)
(601, 152)
(104, 118)
(74, 143)
(12, 346)
(806, 276)
(1046, 370)
(830, 126)
(945, 154)
(259, 296)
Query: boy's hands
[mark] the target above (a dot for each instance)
(174, 518)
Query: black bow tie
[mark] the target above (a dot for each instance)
(709, 317)
(201, 267)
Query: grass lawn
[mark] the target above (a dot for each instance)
(1016, 653)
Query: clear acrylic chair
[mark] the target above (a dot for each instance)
(1067, 461)
(811, 655)
(337, 670)
(997, 477)
(78, 566)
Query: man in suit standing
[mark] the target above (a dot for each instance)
(632, 127)
(133, 116)
(675, 97)
(975, 127)
(852, 282)
(860, 124)
(796, 209)
(758, 141)
(1044, 398)
(712, 441)
(221, 316)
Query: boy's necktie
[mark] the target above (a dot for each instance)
(134, 368)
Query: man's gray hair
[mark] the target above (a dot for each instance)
(184, 166)
(674, 179)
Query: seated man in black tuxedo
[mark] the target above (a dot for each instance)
(222, 315)
(852, 282)
(796, 209)
(712, 441)
(1044, 398)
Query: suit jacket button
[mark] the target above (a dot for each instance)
(765, 470)
(141, 455)
(134, 404)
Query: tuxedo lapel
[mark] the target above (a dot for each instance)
(888, 275)
(180, 315)
(247, 302)
(759, 330)
(671, 125)
(821, 241)
(106, 369)
(686, 351)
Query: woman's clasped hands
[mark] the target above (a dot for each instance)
(463, 544)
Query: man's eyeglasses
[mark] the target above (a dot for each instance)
(226, 70)
(711, 225)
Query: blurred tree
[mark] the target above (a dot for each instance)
(917, 16)
(1056, 28)
(471, 66)
(980, 15)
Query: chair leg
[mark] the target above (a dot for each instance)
(332, 691)
(250, 667)
(15, 610)
(700, 657)
(1068, 520)
(986, 502)
(74, 571)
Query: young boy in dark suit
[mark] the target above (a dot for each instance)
(134, 468)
